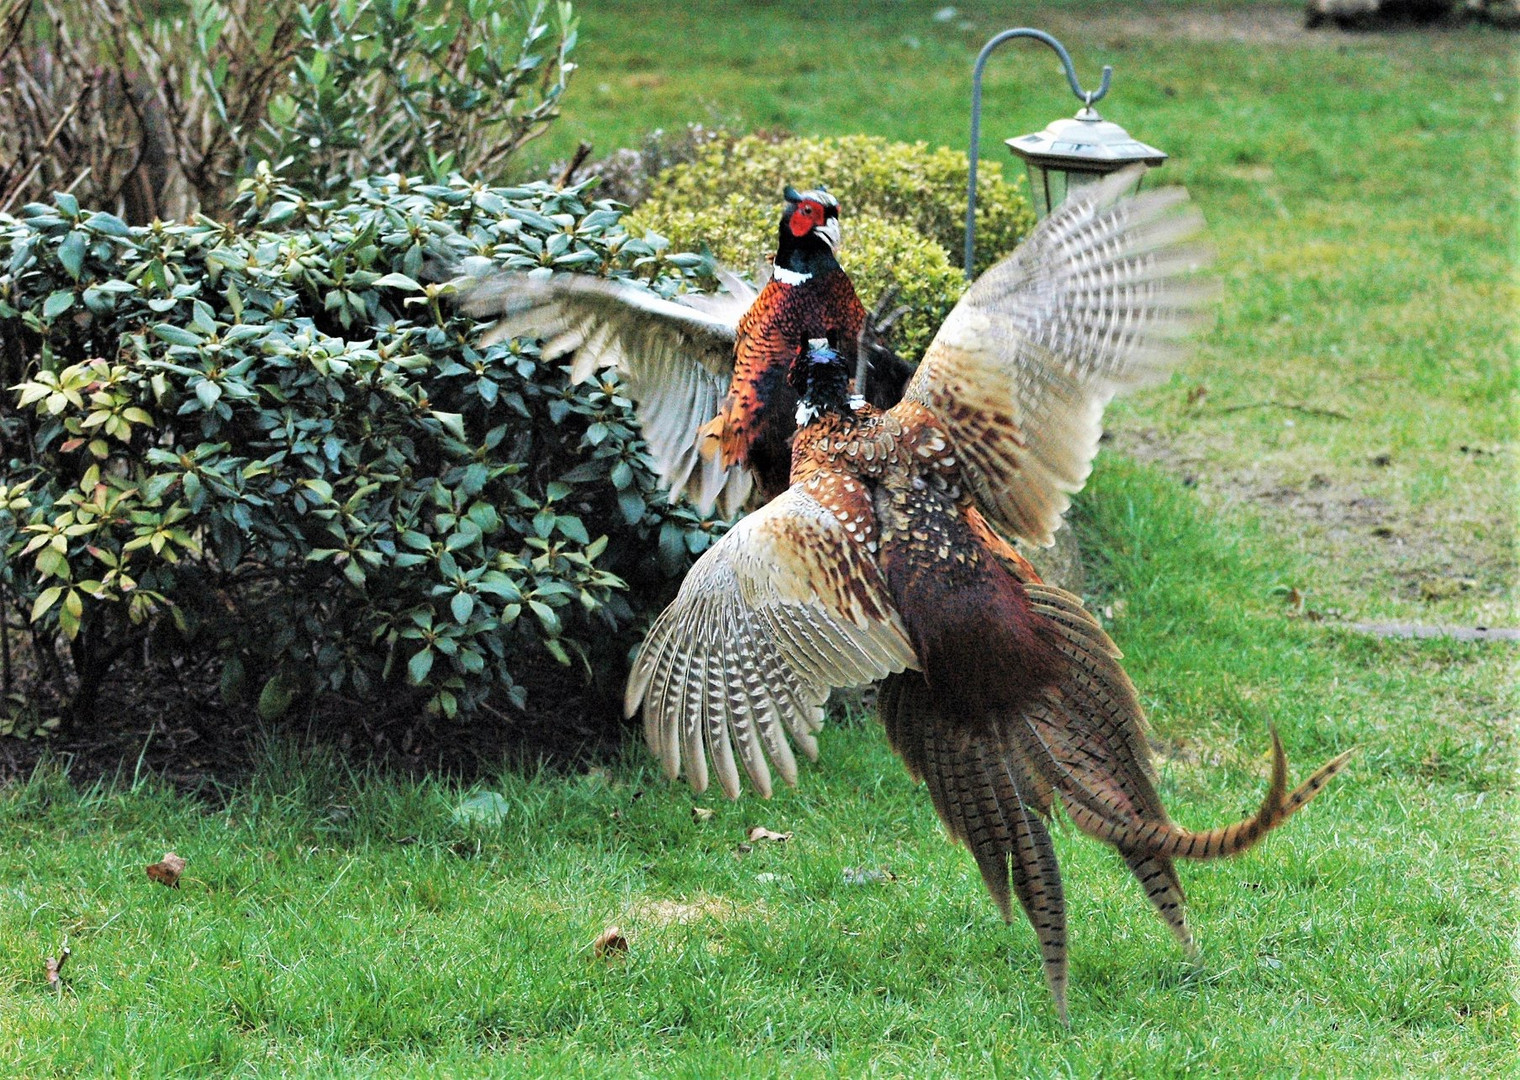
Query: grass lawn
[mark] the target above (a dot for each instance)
(338, 922)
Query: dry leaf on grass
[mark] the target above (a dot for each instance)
(760, 832)
(167, 870)
(1292, 598)
(864, 875)
(55, 967)
(608, 943)
(700, 814)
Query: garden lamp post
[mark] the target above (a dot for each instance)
(1065, 156)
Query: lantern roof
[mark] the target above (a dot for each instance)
(1085, 142)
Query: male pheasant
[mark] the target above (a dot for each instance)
(1002, 694)
(708, 376)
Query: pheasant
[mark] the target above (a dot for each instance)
(708, 376)
(1001, 693)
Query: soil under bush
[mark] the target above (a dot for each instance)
(154, 720)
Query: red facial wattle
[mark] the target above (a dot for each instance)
(805, 218)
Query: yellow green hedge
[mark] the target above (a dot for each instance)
(902, 207)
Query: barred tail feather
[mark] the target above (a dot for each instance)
(1158, 877)
(1162, 838)
(989, 804)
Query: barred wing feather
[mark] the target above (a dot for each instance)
(675, 361)
(1097, 301)
(784, 608)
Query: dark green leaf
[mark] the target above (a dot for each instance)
(176, 335)
(275, 698)
(57, 303)
(419, 665)
(107, 224)
(71, 253)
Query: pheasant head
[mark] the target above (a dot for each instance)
(808, 238)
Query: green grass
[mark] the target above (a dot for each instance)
(1360, 190)
(341, 923)
(338, 923)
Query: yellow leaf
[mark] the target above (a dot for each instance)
(45, 600)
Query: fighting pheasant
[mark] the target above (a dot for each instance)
(708, 375)
(1003, 694)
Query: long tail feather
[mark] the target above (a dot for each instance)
(1158, 877)
(1163, 838)
(988, 803)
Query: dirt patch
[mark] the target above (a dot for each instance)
(1253, 25)
(1455, 633)
(657, 914)
(1364, 545)
(157, 720)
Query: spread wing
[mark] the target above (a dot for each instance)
(675, 361)
(788, 605)
(1098, 300)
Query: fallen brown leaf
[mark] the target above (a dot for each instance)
(55, 964)
(610, 940)
(167, 870)
(760, 832)
(1292, 598)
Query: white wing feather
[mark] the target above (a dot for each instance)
(1097, 301)
(675, 360)
(784, 608)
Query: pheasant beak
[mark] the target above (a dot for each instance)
(829, 231)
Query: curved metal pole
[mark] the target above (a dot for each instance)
(1087, 97)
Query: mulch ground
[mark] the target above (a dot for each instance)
(173, 725)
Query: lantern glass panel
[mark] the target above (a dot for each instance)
(1046, 186)
(1049, 185)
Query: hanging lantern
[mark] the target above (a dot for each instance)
(1068, 154)
(1073, 152)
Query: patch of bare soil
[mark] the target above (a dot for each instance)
(1251, 25)
(159, 721)
(1366, 545)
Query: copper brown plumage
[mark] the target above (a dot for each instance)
(883, 561)
(755, 423)
(707, 374)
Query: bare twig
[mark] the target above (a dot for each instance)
(12, 22)
(54, 966)
(582, 152)
(47, 143)
(21, 185)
